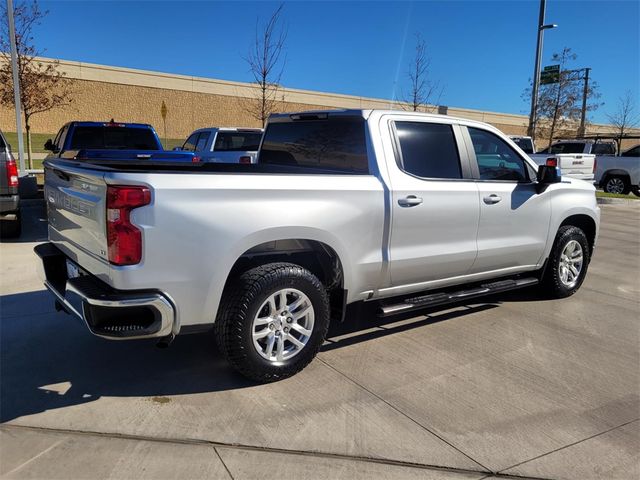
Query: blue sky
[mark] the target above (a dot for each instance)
(481, 52)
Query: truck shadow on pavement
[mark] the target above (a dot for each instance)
(49, 360)
(34, 223)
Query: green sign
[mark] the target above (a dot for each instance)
(550, 74)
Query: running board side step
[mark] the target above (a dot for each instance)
(443, 298)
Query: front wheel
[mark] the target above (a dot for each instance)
(636, 190)
(567, 264)
(272, 321)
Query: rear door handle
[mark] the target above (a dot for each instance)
(491, 199)
(409, 201)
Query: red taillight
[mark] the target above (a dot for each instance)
(124, 240)
(12, 173)
(245, 159)
(595, 163)
(552, 162)
(195, 159)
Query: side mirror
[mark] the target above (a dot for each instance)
(547, 175)
(48, 145)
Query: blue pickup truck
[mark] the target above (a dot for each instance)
(112, 141)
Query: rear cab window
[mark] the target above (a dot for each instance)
(603, 149)
(237, 141)
(112, 138)
(573, 147)
(331, 144)
(634, 152)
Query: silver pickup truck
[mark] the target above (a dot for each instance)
(405, 209)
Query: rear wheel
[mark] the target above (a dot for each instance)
(272, 321)
(617, 184)
(567, 264)
(636, 191)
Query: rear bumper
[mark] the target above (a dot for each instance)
(108, 313)
(9, 203)
(587, 177)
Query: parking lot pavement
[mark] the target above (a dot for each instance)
(516, 385)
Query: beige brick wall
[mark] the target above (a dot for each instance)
(102, 92)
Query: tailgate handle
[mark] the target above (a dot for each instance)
(62, 175)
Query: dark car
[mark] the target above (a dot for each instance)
(11, 224)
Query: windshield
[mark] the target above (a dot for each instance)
(113, 138)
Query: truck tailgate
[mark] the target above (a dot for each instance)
(77, 211)
(576, 164)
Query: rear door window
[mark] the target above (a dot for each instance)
(237, 141)
(336, 144)
(428, 150)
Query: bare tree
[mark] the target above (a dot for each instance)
(625, 118)
(42, 86)
(423, 90)
(560, 103)
(266, 66)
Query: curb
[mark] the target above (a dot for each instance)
(616, 201)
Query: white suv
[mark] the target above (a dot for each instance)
(224, 145)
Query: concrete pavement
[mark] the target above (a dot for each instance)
(510, 385)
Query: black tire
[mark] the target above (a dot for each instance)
(612, 184)
(636, 191)
(552, 285)
(11, 228)
(240, 303)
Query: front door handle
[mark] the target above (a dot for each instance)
(491, 199)
(409, 201)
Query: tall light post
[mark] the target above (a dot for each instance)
(533, 115)
(16, 84)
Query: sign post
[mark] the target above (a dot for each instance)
(163, 112)
(16, 85)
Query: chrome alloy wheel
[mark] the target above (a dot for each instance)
(283, 325)
(571, 262)
(615, 185)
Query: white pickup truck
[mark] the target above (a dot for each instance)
(405, 209)
(620, 174)
(571, 160)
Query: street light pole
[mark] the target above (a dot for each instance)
(533, 115)
(16, 84)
